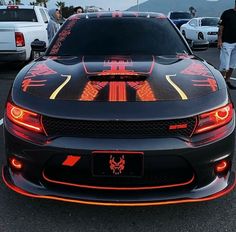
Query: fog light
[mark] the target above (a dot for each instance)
(16, 164)
(222, 166)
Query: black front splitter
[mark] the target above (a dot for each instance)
(217, 188)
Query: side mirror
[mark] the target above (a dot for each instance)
(38, 46)
(200, 45)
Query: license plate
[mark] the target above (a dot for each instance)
(117, 164)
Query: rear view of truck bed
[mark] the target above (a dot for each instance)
(19, 27)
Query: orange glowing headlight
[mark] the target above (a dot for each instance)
(214, 119)
(24, 118)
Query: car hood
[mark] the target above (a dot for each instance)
(119, 78)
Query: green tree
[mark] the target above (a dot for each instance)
(42, 2)
(60, 5)
(68, 11)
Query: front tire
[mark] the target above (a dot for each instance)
(200, 36)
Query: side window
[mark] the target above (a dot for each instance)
(46, 12)
(44, 17)
(193, 23)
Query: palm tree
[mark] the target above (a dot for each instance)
(42, 2)
(39, 2)
(45, 2)
(60, 5)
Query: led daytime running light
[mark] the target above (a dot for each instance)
(24, 118)
(214, 119)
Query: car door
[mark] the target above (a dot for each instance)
(192, 29)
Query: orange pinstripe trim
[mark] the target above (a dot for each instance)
(212, 197)
(112, 91)
(91, 90)
(144, 90)
(122, 91)
(117, 91)
(117, 188)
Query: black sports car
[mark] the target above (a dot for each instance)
(119, 112)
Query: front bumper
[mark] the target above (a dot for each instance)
(212, 38)
(22, 186)
(201, 154)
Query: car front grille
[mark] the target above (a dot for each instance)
(118, 129)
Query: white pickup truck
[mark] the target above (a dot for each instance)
(19, 26)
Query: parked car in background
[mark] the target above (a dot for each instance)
(19, 26)
(201, 28)
(90, 9)
(179, 17)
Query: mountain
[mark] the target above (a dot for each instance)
(105, 4)
(203, 7)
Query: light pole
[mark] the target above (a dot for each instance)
(138, 5)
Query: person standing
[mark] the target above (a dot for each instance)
(54, 23)
(227, 44)
(78, 10)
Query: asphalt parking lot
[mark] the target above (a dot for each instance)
(19, 213)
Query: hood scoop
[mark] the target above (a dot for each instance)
(109, 78)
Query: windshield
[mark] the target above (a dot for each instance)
(120, 36)
(210, 22)
(180, 15)
(12, 15)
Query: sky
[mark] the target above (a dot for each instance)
(105, 4)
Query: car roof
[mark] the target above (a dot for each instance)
(20, 6)
(118, 14)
